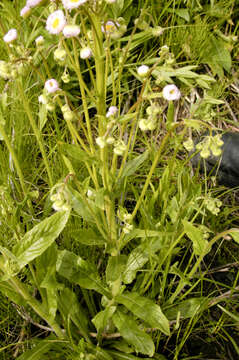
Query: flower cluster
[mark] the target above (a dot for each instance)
(150, 122)
(210, 145)
(213, 205)
(59, 198)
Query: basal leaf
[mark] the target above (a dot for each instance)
(79, 271)
(145, 309)
(130, 331)
(40, 237)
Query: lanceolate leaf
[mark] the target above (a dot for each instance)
(200, 244)
(37, 353)
(79, 271)
(187, 308)
(146, 310)
(40, 237)
(132, 165)
(130, 331)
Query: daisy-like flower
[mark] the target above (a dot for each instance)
(112, 111)
(55, 22)
(109, 27)
(10, 36)
(25, 11)
(33, 3)
(85, 53)
(51, 86)
(72, 4)
(71, 31)
(143, 70)
(171, 92)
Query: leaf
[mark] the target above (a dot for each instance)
(187, 308)
(133, 165)
(69, 306)
(101, 319)
(42, 116)
(200, 245)
(40, 237)
(235, 234)
(122, 356)
(130, 331)
(87, 237)
(115, 267)
(79, 271)
(36, 353)
(79, 204)
(76, 153)
(146, 310)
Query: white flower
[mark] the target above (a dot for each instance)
(171, 92)
(25, 11)
(85, 53)
(55, 22)
(143, 70)
(110, 1)
(100, 141)
(109, 27)
(112, 111)
(51, 86)
(72, 4)
(10, 36)
(39, 40)
(71, 31)
(33, 3)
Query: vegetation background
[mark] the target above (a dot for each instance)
(111, 246)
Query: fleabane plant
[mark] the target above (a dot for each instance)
(107, 142)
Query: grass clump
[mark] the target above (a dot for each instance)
(111, 248)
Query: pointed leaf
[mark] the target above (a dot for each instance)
(36, 353)
(115, 267)
(146, 310)
(187, 308)
(130, 331)
(101, 319)
(133, 165)
(79, 271)
(87, 237)
(200, 244)
(40, 237)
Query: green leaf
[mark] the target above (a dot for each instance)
(87, 237)
(101, 319)
(146, 310)
(115, 267)
(69, 306)
(133, 165)
(79, 204)
(187, 308)
(235, 234)
(200, 244)
(79, 271)
(76, 153)
(42, 116)
(130, 331)
(36, 353)
(40, 237)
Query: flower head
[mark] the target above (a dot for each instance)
(171, 92)
(10, 36)
(112, 111)
(72, 4)
(55, 22)
(71, 31)
(51, 86)
(85, 53)
(25, 11)
(109, 27)
(143, 70)
(33, 3)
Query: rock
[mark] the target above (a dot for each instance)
(226, 166)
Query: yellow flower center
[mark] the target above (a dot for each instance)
(109, 27)
(172, 91)
(55, 23)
